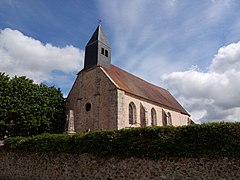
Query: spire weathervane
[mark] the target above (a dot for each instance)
(99, 21)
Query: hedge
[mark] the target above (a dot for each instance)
(207, 140)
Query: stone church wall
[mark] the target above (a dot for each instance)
(109, 106)
(178, 119)
(93, 87)
(43, 166)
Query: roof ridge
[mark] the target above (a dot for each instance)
(140, 78)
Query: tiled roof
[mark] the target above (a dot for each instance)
(136, 86)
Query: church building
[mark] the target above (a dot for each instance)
(104, 96)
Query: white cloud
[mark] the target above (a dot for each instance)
(211, 95)
(24, 56)
(227, 59)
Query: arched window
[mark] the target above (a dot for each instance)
(132, 113)
(169, 119)
(153, 117)
(164, 118)
(143, 116)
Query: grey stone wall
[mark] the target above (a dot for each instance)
(93, 86)
(46, 166)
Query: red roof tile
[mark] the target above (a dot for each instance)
(136, 86)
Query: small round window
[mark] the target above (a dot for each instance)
(88, 106)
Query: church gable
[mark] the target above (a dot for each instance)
(93, 99)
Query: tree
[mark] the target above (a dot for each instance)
(27, 108)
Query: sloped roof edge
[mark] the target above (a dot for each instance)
(98, 35)
(136, 86)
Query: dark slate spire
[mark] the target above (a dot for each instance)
(97, 51)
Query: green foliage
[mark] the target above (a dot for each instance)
(29, 109)
(214, 140)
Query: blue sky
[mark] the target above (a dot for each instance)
(189, 47)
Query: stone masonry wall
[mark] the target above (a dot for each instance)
(109, 105)
(25, 165)
(92, 86)
(178, 119)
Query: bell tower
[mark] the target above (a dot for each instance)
(97, 50)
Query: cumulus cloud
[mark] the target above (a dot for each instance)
(212, 95)
(24, 56)
(227, 59)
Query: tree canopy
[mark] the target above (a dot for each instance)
(27, 108)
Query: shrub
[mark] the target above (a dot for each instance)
(207, 140)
